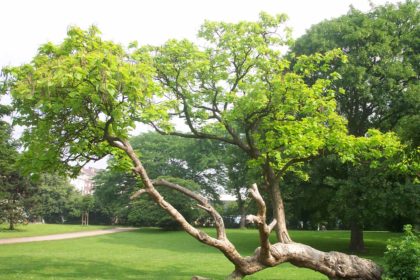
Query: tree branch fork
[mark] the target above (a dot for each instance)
(333, 264)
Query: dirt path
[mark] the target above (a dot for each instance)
(63, 235)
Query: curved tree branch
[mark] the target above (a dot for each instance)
(333, 264)
(203, 204)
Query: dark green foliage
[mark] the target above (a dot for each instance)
(191, 159)
(13, 186)
(54, 200)
(189, 162)
(381, 78)
(402, 257)
(144, 212)
(112, 194)
(381, 85)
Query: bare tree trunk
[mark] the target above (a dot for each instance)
(12, 215)
(242, 222)
(11, 223)
(357, 243)
(241, 206)
(278, 207)
(85, 218)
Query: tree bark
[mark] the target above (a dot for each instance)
(12, 215)
(357, 243)
(241, 206)
(242, 222)
(273, 182)
(235, 275)
(11, 224)
(335, 265)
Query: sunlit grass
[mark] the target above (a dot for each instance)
(155, 254)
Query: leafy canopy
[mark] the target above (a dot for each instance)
(239, 89)
(74, 95)
(381, 78)
(77, 98)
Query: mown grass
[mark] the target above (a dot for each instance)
(155, 254)
(43, 229)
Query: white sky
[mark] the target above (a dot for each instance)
(26, 24)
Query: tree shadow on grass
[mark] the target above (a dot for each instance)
(55, 268)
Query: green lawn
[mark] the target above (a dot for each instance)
(155, 254)
(42, 229)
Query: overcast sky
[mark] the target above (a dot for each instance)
(26, 24)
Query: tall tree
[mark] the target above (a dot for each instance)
(79, 99)
(112, 191)
(13, 186)
(380, 79)
(240, 91)
(53, 200)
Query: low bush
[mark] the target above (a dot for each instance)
(402, 257)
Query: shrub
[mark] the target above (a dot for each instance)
(402, 257)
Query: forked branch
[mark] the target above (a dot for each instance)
(333, 264)
(264, 230)
(203, 204)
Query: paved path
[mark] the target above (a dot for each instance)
(63, 235)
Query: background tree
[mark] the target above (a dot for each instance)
(188, 159)
(79, 99)
(381, 77)
(13, 186)
(381, 82)
(54, 199)
(178, 157)
(239, 175)
(112, 191)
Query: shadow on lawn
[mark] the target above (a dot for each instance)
(47, 268)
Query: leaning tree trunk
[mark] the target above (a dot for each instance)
(273, 182)
(357, 243)
(332, 264)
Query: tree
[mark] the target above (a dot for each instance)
(381, 78)
(114, 188)
(79, 99)
(239, 176)
(12, 185)
(112, 191)
(53, 199)
(190, 160)
(177, 157)
(381, 81)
